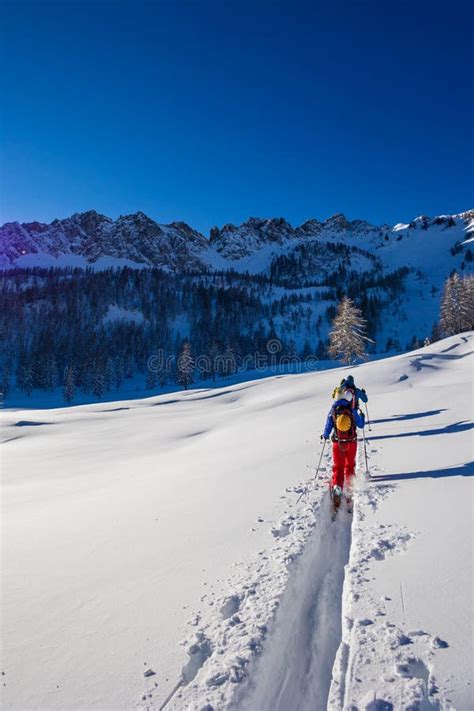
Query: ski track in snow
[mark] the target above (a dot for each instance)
(276, 639)
(245, 618)
(298, 659)
(294, 638)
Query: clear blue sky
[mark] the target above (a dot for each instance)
(210, 112)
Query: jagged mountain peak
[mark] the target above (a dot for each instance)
(340, 223)
(86, 215)
(89, 221)
(234, 242)
(185, 229)
(337, 221)
(87, 237)
(137, 218)
(92, 237)
(267, 222)
(310, 227)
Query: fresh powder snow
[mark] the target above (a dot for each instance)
(179, 552)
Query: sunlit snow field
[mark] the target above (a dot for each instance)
(183, 537)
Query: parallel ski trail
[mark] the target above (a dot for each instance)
(295, 670)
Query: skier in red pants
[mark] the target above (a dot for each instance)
(342, 421)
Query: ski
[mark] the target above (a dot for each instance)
(335, 493)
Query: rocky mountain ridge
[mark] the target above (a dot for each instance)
(92, 239)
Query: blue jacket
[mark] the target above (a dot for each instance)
(358, 417)
(361, 395)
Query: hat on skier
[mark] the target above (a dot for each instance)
(350, 380)
(343, 423)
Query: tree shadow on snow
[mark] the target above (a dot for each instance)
(448, 429)
(461, 470)
(419, 361)
(419, 364)
(451, 348)
(116, 409)
(411, 416)
(31, 423)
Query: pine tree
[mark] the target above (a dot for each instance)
(165, 369)
(69, 385)
(467, 303)
(321, 350)
(229, 361)
(185, 366)
(85, 375)
(347, 337)
(50, 374)
(27, 382)
(54, 373)
(151, 377)
(98, 381)
(5, 381)
(119, 371)
(436, 333)
(457, 305)
(448, 318)
(213, 360)
(109, 373)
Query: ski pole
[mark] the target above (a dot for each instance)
(316, 474)
(368, 418)
(320, 459)
(365, 452)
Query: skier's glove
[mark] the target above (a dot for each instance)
(323, 438)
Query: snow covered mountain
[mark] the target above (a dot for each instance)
(182, 543)
(91, 239)
(235, 243)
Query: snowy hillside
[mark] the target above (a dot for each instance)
(180, 543)
(149, 288)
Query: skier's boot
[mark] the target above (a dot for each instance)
(336, 496)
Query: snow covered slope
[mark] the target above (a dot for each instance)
(180, 542)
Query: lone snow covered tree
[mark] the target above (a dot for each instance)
(347, 338)
(457, 305)
(185, 366)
